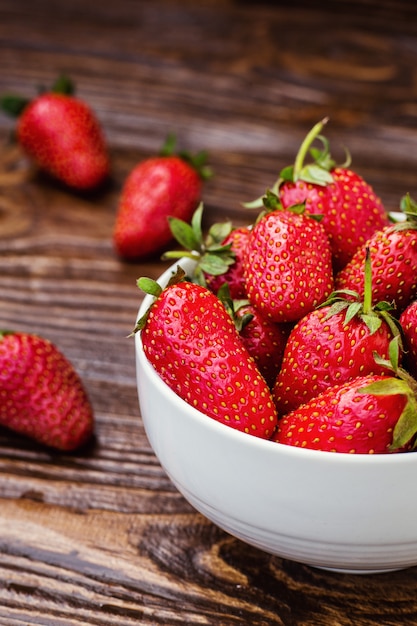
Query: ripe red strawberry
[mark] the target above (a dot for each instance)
(41, 395)
(264, 340)
(62, 135)
(287, 266)
(163, 186)
(408, 321)
(334, 344)
(369, 415)
(394, 262)
(351, 210)
(218, 256)
(192, 343)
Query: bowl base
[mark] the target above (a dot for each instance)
(363, 572)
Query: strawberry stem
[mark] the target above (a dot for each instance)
(305, 146)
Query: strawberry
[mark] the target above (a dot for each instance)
(234, 276)
(334, 344)
(218, 256)
(394, 261)
(369, 415)
(287, 265)
(351, 210)
(158, 187)
(264, 340)
(191, 341)
(62, 135)
(42, 396)
(408, 321)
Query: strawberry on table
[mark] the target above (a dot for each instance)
(369, 415)
(287, 265)
(333, 344)
(62, 135)
(42, 396)
(351, 210)
(191, 341)
(163, 186)
(394, 262)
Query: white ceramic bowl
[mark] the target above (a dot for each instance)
(353, 513)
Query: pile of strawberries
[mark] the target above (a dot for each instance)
(301, 327)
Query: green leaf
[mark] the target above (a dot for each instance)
(287, 174)
(196, 220)
(213, 264)
(388, 386)
(352, 311)
(239, 303)
(315, 174)
(245, 320)
(271, 201)
(383, 306)
(218, 232)
(298, 209)
(63, 85)
(336, 307)
(408, 205)
(13, 105)
(149, 286)
(373, 322)
(197, 161)
(406, 427)
(198, 277)
(394, 352)
(168, 148)
(184, 233)
(253, 204)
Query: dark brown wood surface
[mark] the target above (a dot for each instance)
(101, 537)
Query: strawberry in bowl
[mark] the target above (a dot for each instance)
(338, 511)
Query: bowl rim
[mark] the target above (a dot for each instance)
(247, 438)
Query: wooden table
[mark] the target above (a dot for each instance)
(101, 536)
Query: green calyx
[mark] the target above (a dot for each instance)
(197, 161)
(271, 202)
(409, 207)
(317, 171)
(351, 302)
(153, 288)
(402, 384)
(211, 255)
(14, 105)
(63, 85)
(233, 306)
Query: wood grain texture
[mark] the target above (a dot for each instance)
(101, 536)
